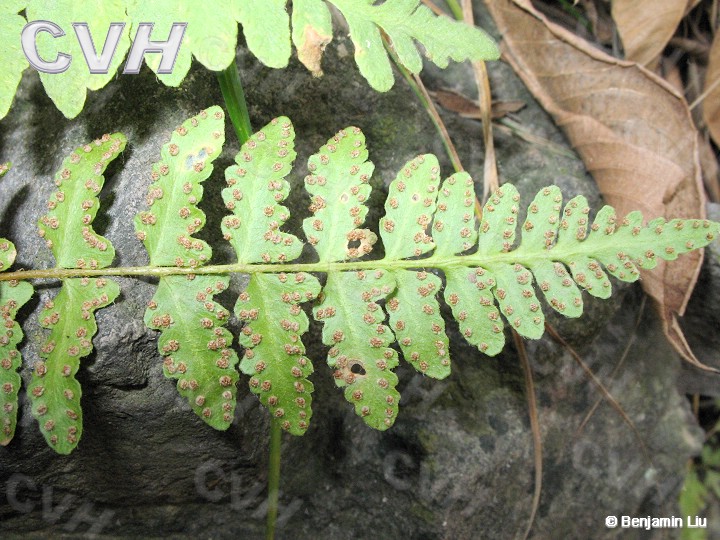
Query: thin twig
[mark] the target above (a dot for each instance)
(437, 120)
(433, 7)
(617, 367)
(534, 426)
(705, 93)
(601, 387)
(694, 47)
(516, 129)
(490, 174)
(421, 92)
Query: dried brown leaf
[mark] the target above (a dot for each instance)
(600, 21)
(670, 71)
(674, 333)
(500, 109)
(710, 168)
(457, 103)
(311, 52)
(711, 102)
(469, 108)
(632, 130)
(646, 26)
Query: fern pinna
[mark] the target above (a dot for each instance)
(432, 244)
(270, 28)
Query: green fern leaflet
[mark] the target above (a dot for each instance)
(211, 38)
(13, 295)
(493, 274)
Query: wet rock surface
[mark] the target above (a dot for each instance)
(459, 461)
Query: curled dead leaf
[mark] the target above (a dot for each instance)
(646, 26)
(632, 130)
(469, 108)
(710, 167)
(711, 103)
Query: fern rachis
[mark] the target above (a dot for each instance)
(429, 232)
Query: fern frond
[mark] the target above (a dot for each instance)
(360, 354)
(541, 228)
(211, 38)
(167, 228)
(14, 61)
(210, 35)
(492, 271)
(552, 242)
(409, 209)
(484, 288)
(270, 305)
(566, 240)
(67, 229)
(257, 186)
(414, 310)
(68, 89)
(453, 227)
(7, 254)
(53, 390)
(419, 328)
(275, 355)
(512, 288)
(13, 295)
(339, 185)
(352, 319)
(469, 294)
(266, 27)
(407, 21)
(197, 347)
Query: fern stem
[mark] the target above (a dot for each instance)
(456, 8)
(442, 263)
(273, 477)
(423, 95)
(421, 92)
(534, 426)
(234, 96)
(491, 182)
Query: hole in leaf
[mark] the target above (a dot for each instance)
(357, 369)
(360, 242)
